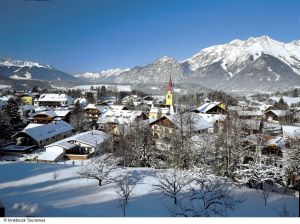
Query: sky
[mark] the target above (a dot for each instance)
(93, 35)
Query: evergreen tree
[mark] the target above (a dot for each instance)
(12, 110)
(79, 119)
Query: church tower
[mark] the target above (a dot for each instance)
(169, 95)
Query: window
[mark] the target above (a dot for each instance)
(169, 96)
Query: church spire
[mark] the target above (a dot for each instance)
(170, 86)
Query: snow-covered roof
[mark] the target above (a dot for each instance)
(91, 138)
(51, 154)
(212, 118)
(62, 113)
(280, 113)
(250, 113)
(119, 116)
(291, 132)
(48, 130)
(50, 113)
(91, 106)
(53, 97)
(207, 106)
(33, 125)
(28, 107)
(197, 122)
(278, 141)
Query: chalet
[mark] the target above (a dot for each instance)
(273, 146)
(277, 116)
(43, 134)
(116, 121)
(248, 114)
(91, 96)
(92, 111)
(62, 114)
(166, 125)
(43, 117)
(54, 100)
(211, 108)
(77, 147)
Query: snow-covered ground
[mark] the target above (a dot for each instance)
(119, 87)
(30, 189)
(288, 100)
(5, 86)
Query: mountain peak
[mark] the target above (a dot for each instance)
(165, 59)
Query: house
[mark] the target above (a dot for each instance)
(54, 100)
(277, 116)
(211, 108)
(116, 121)
(43, 134)
(27, 99)
(249, 114)
(43, 117)
(77, 147)
(91, 96)
(191, 122)
(62, 114)
(93, 112)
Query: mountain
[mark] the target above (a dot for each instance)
(254, 64)
(100, 76)
(26, 70)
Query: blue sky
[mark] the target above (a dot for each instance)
(93, 35)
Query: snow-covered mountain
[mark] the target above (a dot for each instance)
(27, 70)
(100, 76)
(256, 63)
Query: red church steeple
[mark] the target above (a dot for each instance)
(170, 86)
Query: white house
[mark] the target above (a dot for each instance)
(54, 100)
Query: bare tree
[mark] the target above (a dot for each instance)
(125, 187)
(264, 192)
(208, 196)
(100, 168)
(55, 176)
(171, 184)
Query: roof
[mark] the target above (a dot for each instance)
(91, 138)
(280, 113)
(291, 132)
(52, 97)
(118, 107)
(119, 116)
(207, 106)
(91, 106)
(33, 125)
(62, 113)
(48, 130)
(50, 113)
(51, 154)
(213, 118)
(278, 141)
(197, 122)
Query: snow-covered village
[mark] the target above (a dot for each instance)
(103, 153)
(111, 127)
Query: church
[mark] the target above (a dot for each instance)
(157, 112)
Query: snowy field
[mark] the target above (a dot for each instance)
(126, 88)
(30, 189)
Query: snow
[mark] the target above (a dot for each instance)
(102, 74)
(126, 88)
(5, 86)
(52, 97)
(287, 99)
(237, 52)
(291, 132)
(48, 130)
(51, 153)
(18, 63)
(31, 190)
(17, 77)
